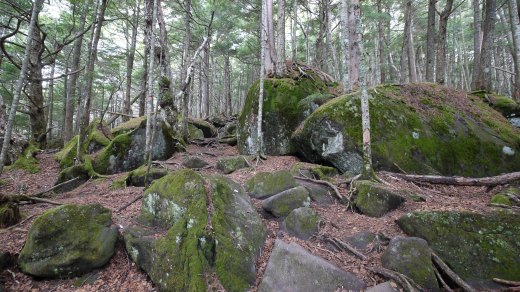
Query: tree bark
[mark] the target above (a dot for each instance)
(36, 105)
(294, 26)
(227, 85)
(330, 52)
(442, 42)
(270, 54)
(477, 41)
(37, 6)
(381, 34)
(354, 42)
(130, 57)
(149, 94)
(430, 41)
(484, 79)
(280, 44)
(345, 43)
(263, 47)
(50, 101)
(515, 25)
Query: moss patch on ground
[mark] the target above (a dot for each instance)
(27, 161)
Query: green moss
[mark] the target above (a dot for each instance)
(230, 164)
(27, 161)
(503, 104)
(475, 246)
(9, 214)
(314, 170)
(117, 147)
(129, 126)
(302, 222)
(118, 184)
(266, 184)
(374, 199)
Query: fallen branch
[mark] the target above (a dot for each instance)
(19, 223)
(54, 187)
(39, 200)
(450, 273)
(504, 206)
(506, 282)
(129, 203)
(406, 283)
(460, 181)
(345, 247)
(322, 182)
(443, 283)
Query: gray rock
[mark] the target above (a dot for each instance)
(361, 241)
(231, 164)
(292, 268)
(302, 223)
(194, 162)
(375, 200)
(320, 194)
(136, 177)
(282, 204)
(16, 147)
(383, 287)
(77, 172)
(67, 241)
(411, 256)
(208, 129)
(266, 184)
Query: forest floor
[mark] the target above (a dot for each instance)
(121, 274)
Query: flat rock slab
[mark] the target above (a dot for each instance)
(266, 184)
(68, 241)
(292, 268)
(283, 203)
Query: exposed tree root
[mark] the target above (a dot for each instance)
(405, 282)
(450, 273)
(343, 246)
(326, 183)
(461, 181)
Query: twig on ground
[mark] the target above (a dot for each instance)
(450, 273)
(13, 275)
(54, 187)
(504, 206)
(345, 247)
(129, 203)
(406, 283)
(322, 182)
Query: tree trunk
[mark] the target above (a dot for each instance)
(51, 101)
(331, 54)
(484, 79)
(515, 25)
(130, 61)
(280, 49)
(149, 94)
(345, 44)
(72, 87)
(227, 85)
(294, 26)
(381, 34)
(205, 82)
(263, 47)
(20, 82)
(430, 41)
(442, 43)
(477, 41)
(35, 89)
(354, 42)
(184, 70)
(270, 54)
(412, 69)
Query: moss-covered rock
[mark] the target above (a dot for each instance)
(9, 214)
(194, 162)
(319, 193)
(266, 184)
(411, 256)
(80, 172)
(302, 223)
(97, 136)
(419, 128)
(507, 106)
(195, 133)
(136, 177)
(207, 129)
(16, 146)
(67, 241)
(182, 258)
(362, 241)
(477, 247)
(315, 171)
(231, 141)
(27, 161)
(282, 113)
(281, 204)
(128, 126)
(504, 197)
(126, 151)
(375, 200)
(231, 164)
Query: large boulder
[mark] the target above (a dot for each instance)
(227, 238)
(136, 177)
(419, 128)
(208, 130)
(231, 164)
(266, 184)
(302, 223)
(411, 256)
(67, 241)
(292, 268)
(16, 146)
(127, 150)
(194, 162)
(280, 205)
(374, 199)
(477, 247)
(507, 106)
(285, 105)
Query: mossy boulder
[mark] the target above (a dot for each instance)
(195, 133)
(374, 199)
(231, 164)
(81, 173)
(194, 162)
(227, 241)
(207, 129)
(9, 214)
(362, 241)
(128, 126)
(419, 128)
(292, 268)
(97, 136)
(302, 223)
(281, 204)
(136, 177)
(16, 146)
(319, 193)
(477, 247)
(314, 171)
(504, 197)
(27, 161)
(507, 106)
(283, 111)
(411, 256)
(126, 151)
(68, 241)
(267, 184)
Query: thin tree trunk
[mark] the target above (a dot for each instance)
(381, 34)
(130, 61)
(412, 69)
(51, 101)
(430, 41)
(149, 94)
(294, 48)
(484, 79)
(36, 105)
(227, 85)
(332, 61)
(280, 45)
(442, 42)
(263, 47)
(477, 41)
(205, 82)
(270, 54)
(345, 43)
(515, 25)
(354, 11)
(20, 82)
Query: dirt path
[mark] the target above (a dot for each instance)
(121, 274)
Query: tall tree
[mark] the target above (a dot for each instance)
(345, 43)
(484, 72)
(355, 10)
(515, 26)
(430, 40)
(130, 57)
(477, 40)
(149, 94)
(270, 53)
(442, 42)
(37, 7)
(263, 48)
(280, 44)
